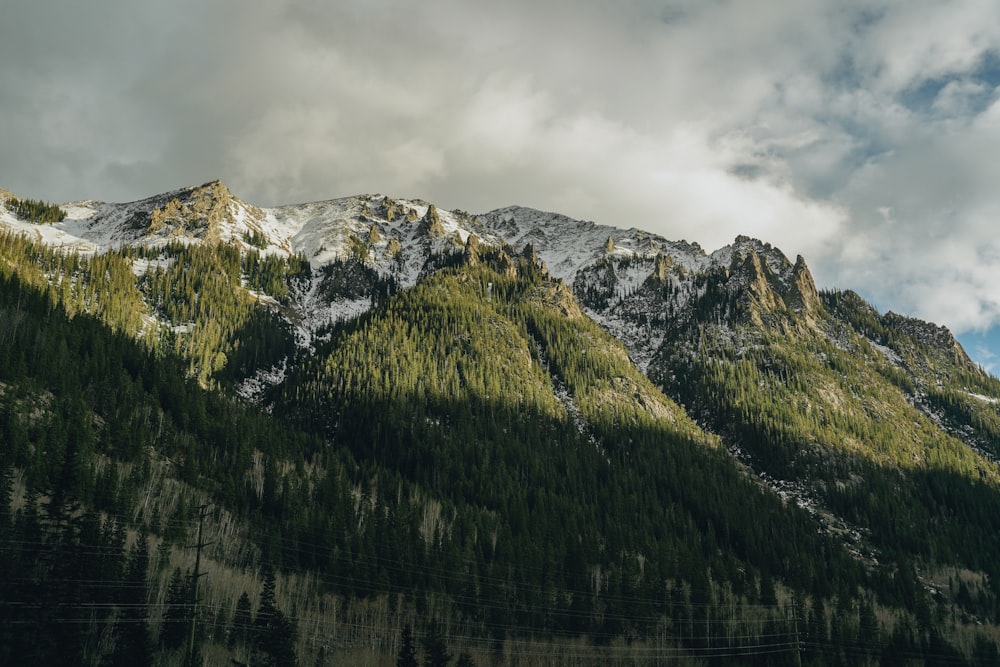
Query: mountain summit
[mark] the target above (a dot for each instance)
(576, 437)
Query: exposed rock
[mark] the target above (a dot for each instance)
(802, 297)
(394, 247)
(501, 262)
(530, 254)
(430, 224)
(388, 209)
(472, 250)
(558, 295)
(754, 274)
(663, 265)
(200, 211)
(937, 338)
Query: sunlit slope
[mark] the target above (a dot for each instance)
(488, 384)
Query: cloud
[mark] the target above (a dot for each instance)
(860, 134)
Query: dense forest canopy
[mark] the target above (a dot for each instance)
(475, 469)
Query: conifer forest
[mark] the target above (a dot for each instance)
(469, 469)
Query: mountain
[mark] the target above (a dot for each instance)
(531, 435)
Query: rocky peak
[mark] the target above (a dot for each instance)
(747, 269)
(430, 224)
(503, 264)
(472, 249)
(387, 209)
(557, 295)
(663, 265)
(531, 256)
(934, 337)
(776, 262)
(199, 211)
(802, 296)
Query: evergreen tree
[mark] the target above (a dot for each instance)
(274, 633)
(407, 650)
(239, 632)
(435, 648)
(177, 617)
(135, 647)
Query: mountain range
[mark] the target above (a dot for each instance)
(531, 438)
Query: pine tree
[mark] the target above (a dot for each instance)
(274, 633)
(407, 651)
(135, 646)
(435, 648)
(239, 632)
(177, 618)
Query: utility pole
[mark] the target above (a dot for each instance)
(202, 513)
(798, 646)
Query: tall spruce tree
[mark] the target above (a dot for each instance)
(435, 647)
(274, 633)
(135, 647)
(176, 618)
(239, 632)
(407, 650)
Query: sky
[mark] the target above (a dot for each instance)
(861, 135)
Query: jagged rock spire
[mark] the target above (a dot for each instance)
(431, 222)
(472, 249)
(803, 297)
(663, 266)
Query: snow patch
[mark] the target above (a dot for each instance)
(253, 388)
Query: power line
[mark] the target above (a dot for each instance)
(202, 513)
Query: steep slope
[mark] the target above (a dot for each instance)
(487, 384)
(462, 433)
(878, 425)
(514, 522)
(317, 263)
(848, 426)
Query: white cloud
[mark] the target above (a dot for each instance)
(860, 134)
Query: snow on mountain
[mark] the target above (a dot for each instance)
(609, 268)
(384, 233)
(567, 245)
(67, 235)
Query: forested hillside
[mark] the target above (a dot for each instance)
(474, 467)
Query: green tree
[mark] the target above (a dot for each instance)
(274, 633)
(135, 647)
(177, 617)
(239, 632)
(435, 648)
(407, 650)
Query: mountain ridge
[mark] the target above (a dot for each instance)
(520, 367)
(368, 227)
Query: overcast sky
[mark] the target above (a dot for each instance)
(862, 135)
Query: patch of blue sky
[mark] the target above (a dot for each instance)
(984, 348)
(979, 89)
